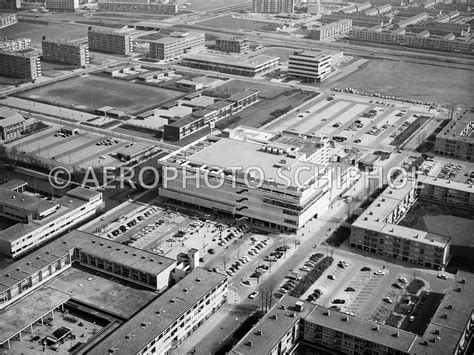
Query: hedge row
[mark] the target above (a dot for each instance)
(311, 277)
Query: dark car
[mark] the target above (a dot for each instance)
(338, 301)
(350, 289)
(211, 251)
(365, 268)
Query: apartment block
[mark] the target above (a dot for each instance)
(235, 45)
(23, 65)
(15, 45)
(110, 41)
(176, 130)
(62, 5)
(8, 20)
(177, 44)
(456, 139)
(139, 7)
(331, 30)
(167, 321)
(39, 220)
(447, 192)
(376, 230)
(12, 125)
(310, 65)
(414, 19)
(292, 322)
(60, 51)
(358, 19)
(10, 4)
(412, 40)
(273, 6)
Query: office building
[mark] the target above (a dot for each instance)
(266, 181)
(176, 130)
(15, 45)
(23, 65)
(167, 321)
(331, 30)
(8, 20)
(250, 67)
(273, 6)
(139, 7)
(292, 322)
(108, 40)
(38, 220)
(412, 40)
(62, 5)
(10, 4)
(177, 44)
(309, 66)
(12, 125)
(236, 45)
(60, 51)
(376, 230)
(456, 139)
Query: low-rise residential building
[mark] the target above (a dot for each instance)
(12, 125)
(62, 51)
(437, 28)
(250, 67)
(376, 230)
(273, 6)
(23, 65)
(309, 65)
(8, 20)
(412, 40)
(139, 7)
(177, 44)
(236, 45)
(292, 322)
(62, 5)
(176, 130)
(447, 192)
(358, 19)
(331, 30)
(108, 40)
(456, 139)
(167, 321)
(15, 45)
(39, 220)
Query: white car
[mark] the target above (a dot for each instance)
(379, 272)
(411, 319)
(442, 276)
(388, 299)
(230, 273)
(253, 295)
(403, 280)
(331, 277)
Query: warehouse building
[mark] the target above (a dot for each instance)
(177, 44)
(250, 67)
(23, 65)
(310, 66)
(38, 220)
(61, 51)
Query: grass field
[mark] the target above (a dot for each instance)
(234, 23)
(95, 91)
(232, 87)
(36, 29)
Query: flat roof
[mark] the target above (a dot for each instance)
(24, 201)
(83, 193)
(28, 310)
(461, 124)
(226, 153)
(132, 336)
(449, 184)
(243, 95)
(238, 61)
(13, 184)
(136, 147)
(272, 330)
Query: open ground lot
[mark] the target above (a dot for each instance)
(88, 93)
(357, 120)
(112, 295)
(411, 80)
(81, 150)
(37, 29)
(267, 91)
(235, 23)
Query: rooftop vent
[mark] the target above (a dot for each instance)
(345, 319)
(282, 307)
(445, 316)
(463, 281)
(449, 306)
(172, 301)
(327, 313)
(436, 331)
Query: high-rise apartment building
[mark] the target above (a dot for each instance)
(15, 45)
(62, 5)
(61, 51)
(23, 65)
(177, 44)
(107, 40)
(273, 6)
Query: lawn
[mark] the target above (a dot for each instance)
(267, 91)
(95, 91)
(415, 285)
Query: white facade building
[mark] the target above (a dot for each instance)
(310, 65)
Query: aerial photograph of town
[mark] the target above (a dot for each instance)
(231, 177)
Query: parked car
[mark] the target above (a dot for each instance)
(331, 277)
(442, 276)
(379, 272)
(253, 295)
(387, 299)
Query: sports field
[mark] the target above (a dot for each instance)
(95, 91)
